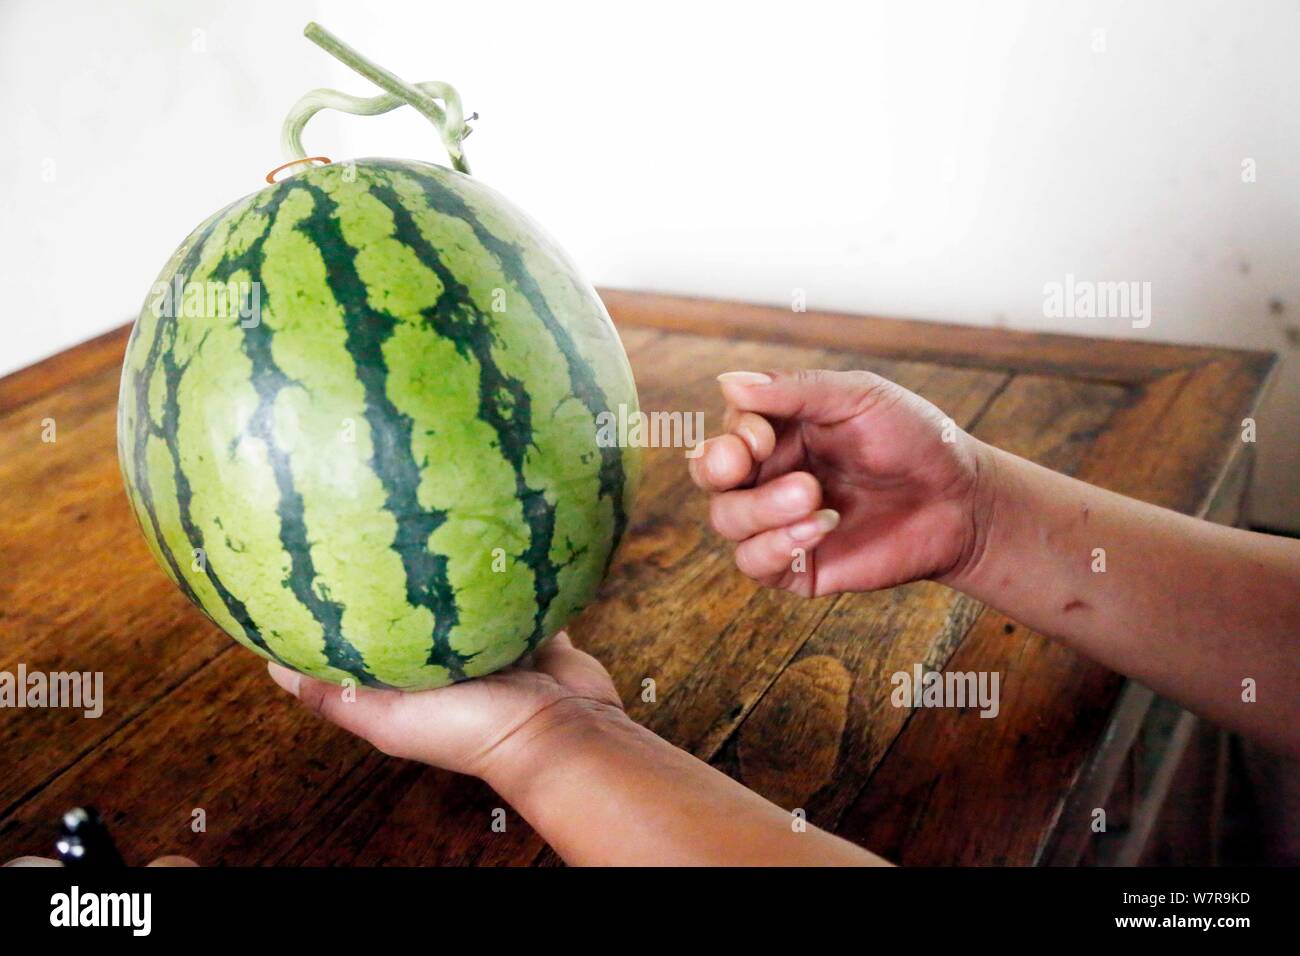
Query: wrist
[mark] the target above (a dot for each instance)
(986, 509)
(553, 741)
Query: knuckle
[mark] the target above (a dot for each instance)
(870, 389)
(749, 561)
(315, 697)
(792, 494)
(811, 377)
(726, 517)
(729, 462)
(711, 463)
(805, 482)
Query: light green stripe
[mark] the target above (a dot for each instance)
(565, 461)
(571, 297)
(343, 499)
(463, 473)
(234, 495)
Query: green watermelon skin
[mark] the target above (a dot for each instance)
(391, 472)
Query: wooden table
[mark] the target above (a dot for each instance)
(788, 695)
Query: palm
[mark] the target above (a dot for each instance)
(461, 727)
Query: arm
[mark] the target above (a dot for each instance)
(887, 490)
(606, 791)
(555, 743)
(1189, 608)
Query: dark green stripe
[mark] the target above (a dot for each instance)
(144, 425)
(504, 402)
(168, 432)
(268, 379)
(172, 374)
(393, 460)
(582, 380)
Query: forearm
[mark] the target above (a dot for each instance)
(1189, 608)
(607, 792)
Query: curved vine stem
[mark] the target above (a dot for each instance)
(448, 118)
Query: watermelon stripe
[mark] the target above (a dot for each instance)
(268, 380)
(582, 380)
(172, 373)
(504, 403)
(144, 424)
(368, 328)
(165, 330)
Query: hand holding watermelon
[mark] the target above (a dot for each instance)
(476, 726)
(555, 743)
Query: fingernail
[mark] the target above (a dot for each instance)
(745, 378)
(747, 435)
(818, 524)
(287, 679)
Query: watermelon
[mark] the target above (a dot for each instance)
(359, 426)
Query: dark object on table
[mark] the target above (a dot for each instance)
(84, 841)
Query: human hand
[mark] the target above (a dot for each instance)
(554, 742)
(879, 481)
(474, 726)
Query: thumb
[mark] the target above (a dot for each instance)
(812, 395)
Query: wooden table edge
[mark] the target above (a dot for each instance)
(1121, 361)
(33, 382)
(1118, 361)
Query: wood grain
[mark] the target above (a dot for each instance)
(790, 696)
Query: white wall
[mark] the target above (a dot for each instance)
(939, 160)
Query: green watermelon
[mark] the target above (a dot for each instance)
(359, 426)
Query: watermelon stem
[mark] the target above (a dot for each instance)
(448, 118)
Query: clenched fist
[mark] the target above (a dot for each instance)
(877, 480)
